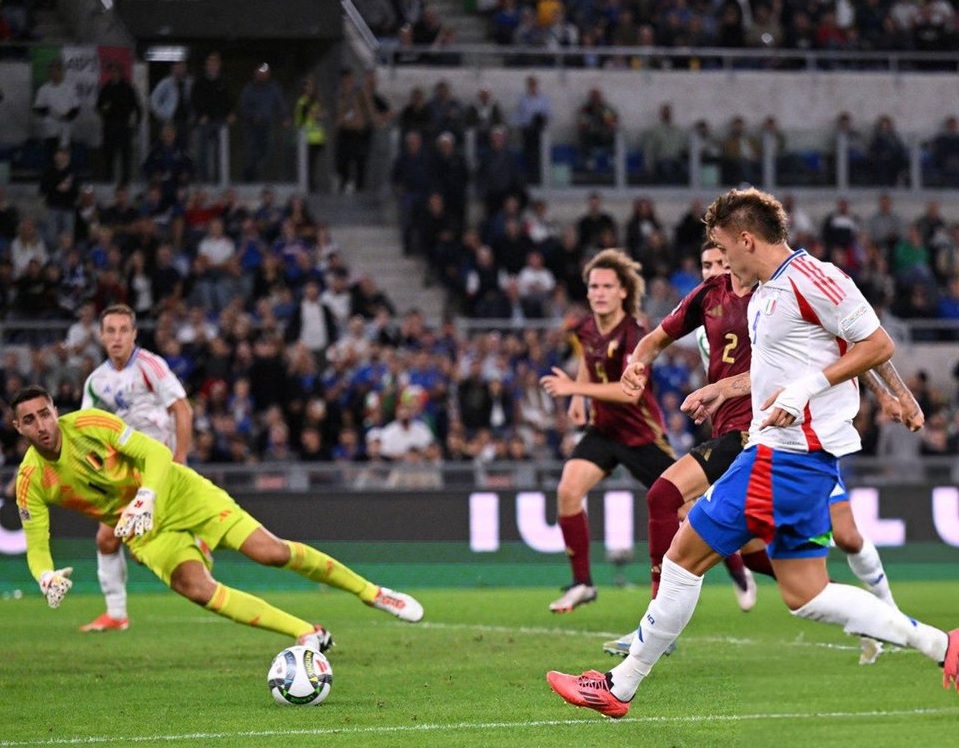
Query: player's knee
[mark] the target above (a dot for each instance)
(194, 586)
(107, 542)
(848, 542)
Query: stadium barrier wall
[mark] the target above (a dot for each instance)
(490, 521)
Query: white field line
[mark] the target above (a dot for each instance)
(799, 641)
(473, 727)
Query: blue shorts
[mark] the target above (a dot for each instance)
(780, 497)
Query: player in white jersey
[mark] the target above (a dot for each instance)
(812, 334)
(139, 387)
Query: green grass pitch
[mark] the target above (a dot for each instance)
(471, 674)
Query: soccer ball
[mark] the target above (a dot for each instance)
(300, 676)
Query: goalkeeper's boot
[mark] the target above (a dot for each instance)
(319, 639)
(591, 690)
(573, 596)
(620, 647)
(106, 622)
(950, 666)
(399, 604)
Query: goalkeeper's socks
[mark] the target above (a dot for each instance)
(112, 573)
(250, 610)
(318, 567)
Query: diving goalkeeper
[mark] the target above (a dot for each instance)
(92, 462)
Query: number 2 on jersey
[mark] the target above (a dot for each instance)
(732, 341)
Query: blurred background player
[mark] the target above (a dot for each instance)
(622, 429)
(140, 388)
(94, 463)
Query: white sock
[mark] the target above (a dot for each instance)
(867, 566)
(862, 614)
(664, 620)
(112, 573)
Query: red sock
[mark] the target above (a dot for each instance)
(576, 536)
(736, 569)
(758, 562)
(663, 500)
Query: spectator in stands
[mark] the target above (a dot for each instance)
(499, 176)
(216, 269)
(504, 22)
(710, 152)
(485, 282)
(168, 167)
(57, 106)
(61, 190)
(9, 219)
(416, 115)
(482, 115)
(262, 106)
(452, 178)
(840, 229)
(558, 31)
(354, 118)
(119, 108)
(885, 227)
(378, 133)
(945, 154)
(766, 30)
(312, 325)
(910, 261)
(171, 103)
(642, 224)
(369, 298)
(213, 107)
(447, 113)
(689, 232)
(535, 283)
(594, 222)
(887, 154)
(742, 154)
(413, 177)
(404, 432)
(666, 149)
(27, 245)
(532, 116)
(597, 123)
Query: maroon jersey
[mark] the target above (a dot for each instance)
(722, 313)
(605, 357)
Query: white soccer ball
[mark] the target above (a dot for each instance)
(300, 676)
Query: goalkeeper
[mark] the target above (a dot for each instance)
(92, 462)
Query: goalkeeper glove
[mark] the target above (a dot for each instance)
(55, 585)
(137, 517)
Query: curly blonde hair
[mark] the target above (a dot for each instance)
(627, 272)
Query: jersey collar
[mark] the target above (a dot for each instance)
(785, 263)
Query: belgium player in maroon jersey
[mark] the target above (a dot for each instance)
(622, 429)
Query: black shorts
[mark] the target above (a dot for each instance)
(645, 463)
(716, 455)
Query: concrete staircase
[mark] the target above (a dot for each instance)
(365, 228)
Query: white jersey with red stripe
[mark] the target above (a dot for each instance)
(141, 393)
(801, 320)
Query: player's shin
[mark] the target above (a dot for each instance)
(663, 500)
(863, 614)
(867, 566)
(112, 573)
(250, 610)
(664, 620)
(319, 567)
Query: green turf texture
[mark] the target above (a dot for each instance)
(471, 674)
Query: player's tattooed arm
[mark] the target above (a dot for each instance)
(888, 404)
(705, 401)
(911, 413)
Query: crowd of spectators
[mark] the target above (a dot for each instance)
(287, 352)
(875, 25)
